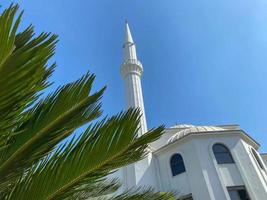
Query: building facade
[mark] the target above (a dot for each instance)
(198, 162)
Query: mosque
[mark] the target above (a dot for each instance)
(199, 162)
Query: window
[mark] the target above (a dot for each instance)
(177, 164)
(256, 156)
(238, 193)
(186, 197)
(222, 154)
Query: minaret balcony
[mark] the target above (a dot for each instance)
(132, 61)
(131, 66)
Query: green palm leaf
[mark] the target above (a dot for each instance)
(51, 120)
(102, 148)
(23, 69)
(142, 194)
(23, 73)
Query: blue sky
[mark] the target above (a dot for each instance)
(205, 62)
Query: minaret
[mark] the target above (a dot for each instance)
(141, 173)
(131, 71)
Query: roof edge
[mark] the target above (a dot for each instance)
(255, 144)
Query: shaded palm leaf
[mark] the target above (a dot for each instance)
(142, 194)
(102, 148)
(51, 120)
(23, 68)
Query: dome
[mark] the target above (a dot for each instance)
(190, 129)
(183, 126)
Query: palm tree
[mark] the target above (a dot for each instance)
(36, 160)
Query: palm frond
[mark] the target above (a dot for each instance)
(102, 148)
(23, 68)
(50, 121)
(142, 193)
(96, 190)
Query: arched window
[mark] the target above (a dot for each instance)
(222, 154)
(256, 156)
(177, 164)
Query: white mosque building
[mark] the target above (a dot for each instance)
(199, 162)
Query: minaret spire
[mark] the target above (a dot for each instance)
(128, 35)
(131, 71)
(129, 45)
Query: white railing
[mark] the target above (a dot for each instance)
(132, 61)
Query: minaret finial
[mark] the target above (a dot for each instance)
(128, 35)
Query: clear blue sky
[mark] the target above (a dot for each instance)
(205, 62)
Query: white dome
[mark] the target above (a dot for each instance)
(190, 129)
(183, 126)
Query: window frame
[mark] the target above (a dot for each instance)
(181, 162)
(238, 189)
(258, 159)
(229, 160)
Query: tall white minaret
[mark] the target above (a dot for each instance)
(141, 173)
(131, 71)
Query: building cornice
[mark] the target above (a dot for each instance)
(193, 135)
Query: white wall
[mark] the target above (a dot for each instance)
(204, 178)
(250, 172)
(230, 174)
(210, 169)
(191, 181)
